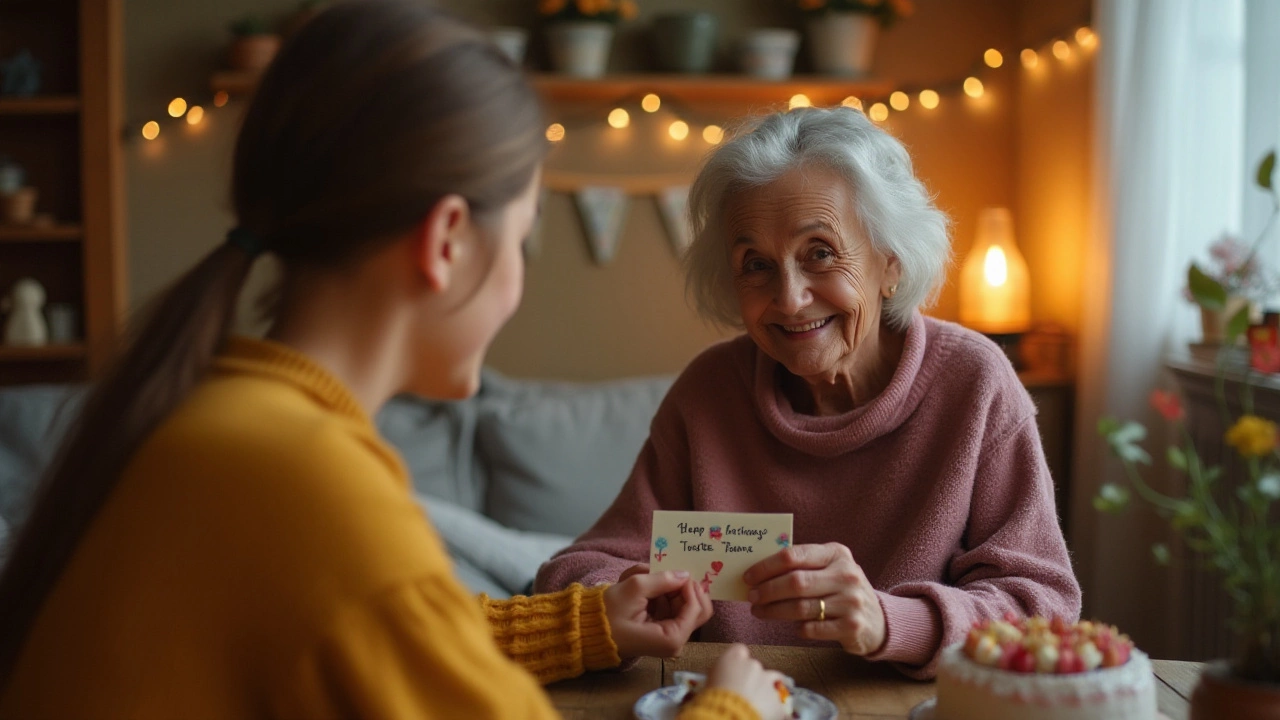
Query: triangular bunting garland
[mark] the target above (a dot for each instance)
(672, 202)
(603, 209)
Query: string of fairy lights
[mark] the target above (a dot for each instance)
(1062, 47)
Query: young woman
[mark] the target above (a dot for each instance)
(224, 534)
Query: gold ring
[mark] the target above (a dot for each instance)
(822, 609)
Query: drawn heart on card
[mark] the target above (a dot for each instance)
(715, 567)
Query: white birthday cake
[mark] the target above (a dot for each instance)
(1037, 669)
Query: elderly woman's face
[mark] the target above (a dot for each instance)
(810, 285)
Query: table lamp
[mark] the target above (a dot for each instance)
(995, 293)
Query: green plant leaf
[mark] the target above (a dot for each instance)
(1266, 169)
(1208, 293)
(1177, 458)
(1111, 498)
(1238, 324)
(1124, 442)
(1107, 425)
(1160, 552)
(1186, 515)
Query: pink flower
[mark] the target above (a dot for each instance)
(1168, 404)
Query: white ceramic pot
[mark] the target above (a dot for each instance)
(512, 41)
(769, 53)
(580, 49)
(843, 43)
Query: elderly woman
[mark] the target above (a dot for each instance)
(905, 447)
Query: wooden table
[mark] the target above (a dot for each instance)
(862, 690)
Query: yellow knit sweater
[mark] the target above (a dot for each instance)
(262, 557)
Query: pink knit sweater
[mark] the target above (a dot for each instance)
(938, 486)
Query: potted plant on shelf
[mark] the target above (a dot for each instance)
(842, 33)
(579, 33)
(254, 44)
(1227, 291)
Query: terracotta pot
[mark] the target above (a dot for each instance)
(18, 208)
(843, 43)
(1213, 323)
(1219, 696)
(253, 53)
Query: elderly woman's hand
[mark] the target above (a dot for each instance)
(823, 588)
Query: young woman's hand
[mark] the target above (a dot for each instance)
(736, 670)
(637, 630)
(824, 589)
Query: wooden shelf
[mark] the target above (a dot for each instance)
(40, 105)
(822, 90)
(55, 233)
(41, 353)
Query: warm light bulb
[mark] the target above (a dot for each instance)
(151, 130)
(195, 115)
(879, 112)
(995, 267)
(993, 58)
(619, 118)
(713, 134)
(1086, 37)
(973, 87)
(899, 101)
(555, 132)
(177, 106)
(1029, 58)
(679, 130)
(651, 103)
(799, 100)
(852, 102)
(220, 98)
(1061, 49)
(929, 99)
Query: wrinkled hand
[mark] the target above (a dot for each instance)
(637, 631)
(736, 670)
(789, 585)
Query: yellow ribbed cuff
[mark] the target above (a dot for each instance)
(555, 635)
(718, 704)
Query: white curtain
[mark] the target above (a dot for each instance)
(1169, 174)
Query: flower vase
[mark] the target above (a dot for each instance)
(580, 48)
(1213, 323)
(843, 43)
(1219, 695)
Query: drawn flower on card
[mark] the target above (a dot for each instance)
(783, 540)
(661, 545)
(715, 532)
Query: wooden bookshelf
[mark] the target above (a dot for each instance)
(31, 233)
(738, 89)
(40, 105)
(67, 139)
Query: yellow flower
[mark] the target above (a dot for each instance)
(627, 9)
(550, 7)
(1252, 436)
(588, 7)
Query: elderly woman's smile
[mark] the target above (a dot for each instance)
(810, 285)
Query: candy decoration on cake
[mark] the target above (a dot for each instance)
(1032, 668)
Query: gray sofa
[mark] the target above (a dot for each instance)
(508, 477)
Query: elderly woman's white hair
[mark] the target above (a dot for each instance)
(896, 211)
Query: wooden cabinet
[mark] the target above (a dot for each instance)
(67, 138)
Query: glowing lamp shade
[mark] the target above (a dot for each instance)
(995, 292)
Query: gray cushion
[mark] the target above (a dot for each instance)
(32, 421)
(556, 454)
(436, 440)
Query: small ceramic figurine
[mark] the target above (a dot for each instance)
(21, 75)
(25, 325)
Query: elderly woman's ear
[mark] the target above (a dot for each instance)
(892, 274)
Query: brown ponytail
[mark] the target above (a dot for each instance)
(370, 114)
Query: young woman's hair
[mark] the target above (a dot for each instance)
(370, 114)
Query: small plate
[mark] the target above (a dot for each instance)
(663, 703)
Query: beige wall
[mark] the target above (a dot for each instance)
(583, 321)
